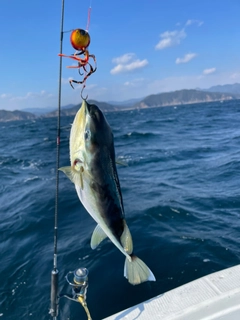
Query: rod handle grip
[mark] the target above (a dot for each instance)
(54, 293)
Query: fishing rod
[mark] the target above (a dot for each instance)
(55, 272)
(77, 279)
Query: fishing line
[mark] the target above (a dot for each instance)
(86, 61)
(68, 31)
(89, 15)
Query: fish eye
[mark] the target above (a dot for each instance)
(87, 134)
(93, 116)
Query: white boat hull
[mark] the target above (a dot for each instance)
(213, 297)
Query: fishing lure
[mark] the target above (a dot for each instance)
(80, 40)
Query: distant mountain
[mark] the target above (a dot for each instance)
(41, 111)
(182, 97)
(104, 106)
(127, 103)
(227, 88)
(15, 115)
(155, 100)
(68, 106)
(38, 111)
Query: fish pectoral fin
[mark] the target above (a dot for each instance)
(126, 239)
(74, 176)
(97, 237)
(121, 162)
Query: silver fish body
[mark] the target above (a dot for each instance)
(93, 171)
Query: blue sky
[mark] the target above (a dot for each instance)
(142, 47)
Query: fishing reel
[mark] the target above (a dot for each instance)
(78, 280)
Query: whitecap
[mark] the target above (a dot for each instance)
(31, 165)
(84, 258)
(31, 179)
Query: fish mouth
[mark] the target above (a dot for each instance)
(92, 111)
(87, 108)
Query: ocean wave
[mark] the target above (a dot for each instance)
(136, 134)
(31, 179)
(31, 165)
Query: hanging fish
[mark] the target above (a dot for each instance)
(93, 171)
(80, 40)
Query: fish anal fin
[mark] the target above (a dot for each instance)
(126, 239)
(74, 176)
(97, 237)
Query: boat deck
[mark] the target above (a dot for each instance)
(215, 296)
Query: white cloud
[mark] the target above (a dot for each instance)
(134, 82)
(209, 71)
(37, 99)
(32, 95)
(66, 80)
(198, 22)
(124, 58)
(183, 82)
(5, 96)
(127, 63)
(235, 75)
(170, 38)
(186, 58)
(91, 86)
(27, 96)
(141, 87)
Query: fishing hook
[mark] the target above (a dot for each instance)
(82, 92)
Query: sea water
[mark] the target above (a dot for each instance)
(181, 197)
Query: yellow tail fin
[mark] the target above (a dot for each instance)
(136, 271)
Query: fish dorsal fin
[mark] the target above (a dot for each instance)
(126, 239)
(73, 175)
(97, 237)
